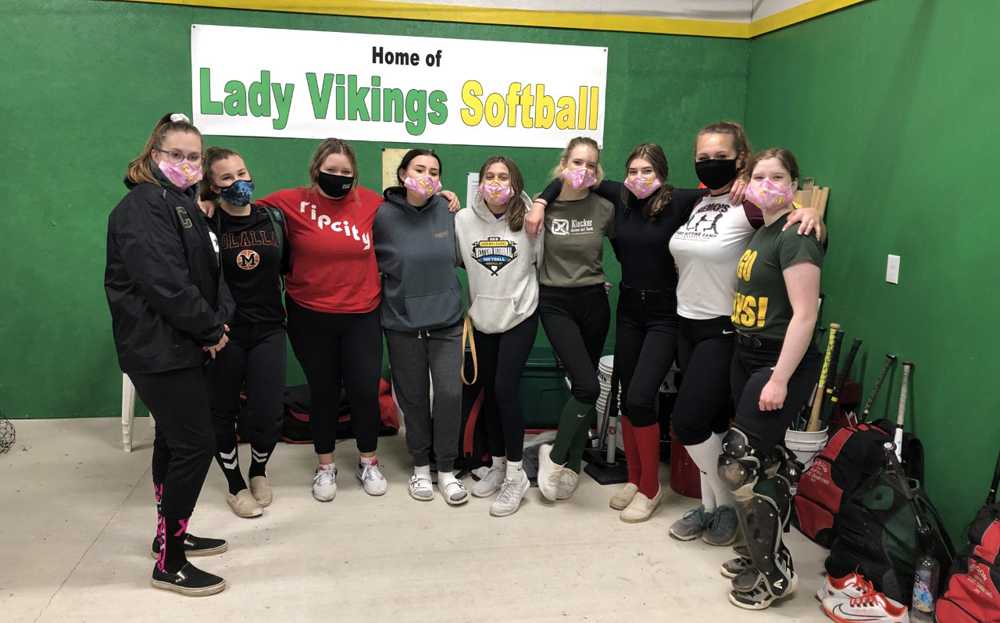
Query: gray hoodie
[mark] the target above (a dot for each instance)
(502, 266)
(415, 249)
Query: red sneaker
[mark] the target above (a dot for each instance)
(868, 607)
(851, 585)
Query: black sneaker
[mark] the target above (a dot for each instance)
(761, 596)
(735, 566)
(195, 546)
(190, 581)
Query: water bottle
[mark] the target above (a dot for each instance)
(925, 581)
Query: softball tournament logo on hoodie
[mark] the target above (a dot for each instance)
(494, 253)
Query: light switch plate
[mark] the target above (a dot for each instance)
(892, 269)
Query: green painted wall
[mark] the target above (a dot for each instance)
(892, 104)
(85, 82)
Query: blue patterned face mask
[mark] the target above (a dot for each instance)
(238, 194)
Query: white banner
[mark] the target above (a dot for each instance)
(383, 88)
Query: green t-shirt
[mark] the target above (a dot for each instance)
(761, 305)
(573, 250)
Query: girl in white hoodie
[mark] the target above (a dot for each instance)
(502, 264)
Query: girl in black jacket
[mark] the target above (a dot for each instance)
(169, 309)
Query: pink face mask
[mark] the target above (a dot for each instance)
(579, 178)
(643, 187)
(496, 193)
(423, 185)
(768, 195)
(183, 175)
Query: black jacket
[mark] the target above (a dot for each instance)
(163, 280)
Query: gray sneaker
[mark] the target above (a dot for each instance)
(491, 482)
(722, 528)
(691, 525)
(511, 494)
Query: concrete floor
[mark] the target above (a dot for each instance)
(76, 520)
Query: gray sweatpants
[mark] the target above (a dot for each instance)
(410, 358)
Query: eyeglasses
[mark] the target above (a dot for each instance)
(176, 156)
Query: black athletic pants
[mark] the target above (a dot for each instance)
(339, 350)
(255, 355)
(645, 346)
(751, 369)
(705, 399)
(501, 359)
(184, 442)
(576, 323)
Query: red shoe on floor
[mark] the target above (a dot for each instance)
(851, 585)
(868, 607)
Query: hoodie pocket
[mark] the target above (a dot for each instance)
(435, 309)
(493, 314)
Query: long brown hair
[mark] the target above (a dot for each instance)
(213, 155)
(327, 148)
(573, 144)
(740, 143)
(653, 153)
(515, 205)
(141, 168)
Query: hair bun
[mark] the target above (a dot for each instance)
(179, 117)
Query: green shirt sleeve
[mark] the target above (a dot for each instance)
(795, 249)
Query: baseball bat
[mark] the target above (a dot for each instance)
(901, 413)
(838, 384)
(813, 424)
(890, 361)
(992, 496)
(831, 378)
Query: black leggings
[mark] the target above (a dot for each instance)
(705, 400)
(646, 342)
(336, 350)
(184, 443)
(254, 355)
(750, 372)
(501, 359)
(576, 323)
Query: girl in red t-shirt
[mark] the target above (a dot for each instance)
(332, 297)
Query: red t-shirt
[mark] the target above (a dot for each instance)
(333, 267)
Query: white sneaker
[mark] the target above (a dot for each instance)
(325, 483)
(511, 494)
(568, 482)
(421, 488)
(851, 585)
(490, 483)
(452, 490)
(371, 478)
(866, 608)
(548, 473)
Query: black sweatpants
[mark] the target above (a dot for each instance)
(185, 442)
(645, 346)
(751, 370)
(501, 359)
(255, 355)
(705, 400)
(338, 350)
(576, 323)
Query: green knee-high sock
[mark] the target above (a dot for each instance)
(575, 459)
(575, 418)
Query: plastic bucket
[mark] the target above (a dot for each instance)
(806, 445)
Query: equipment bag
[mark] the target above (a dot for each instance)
(298, 407)
(973, 594)
(877, 532)
(853, 455)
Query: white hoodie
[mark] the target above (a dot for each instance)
(502, 266)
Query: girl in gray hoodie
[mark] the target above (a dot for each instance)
(501, 261)
(421, 313)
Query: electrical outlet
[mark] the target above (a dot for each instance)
(892, 269)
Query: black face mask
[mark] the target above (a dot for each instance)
(335, 186)
(715, 174)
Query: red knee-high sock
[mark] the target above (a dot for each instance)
(631, 452)
(647, 441)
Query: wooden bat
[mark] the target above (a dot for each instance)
(817, 408)
(890, 361)
(901, 413)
